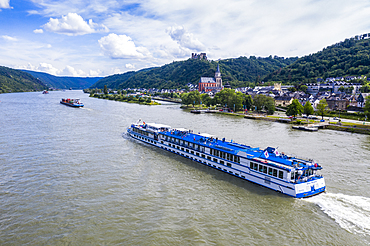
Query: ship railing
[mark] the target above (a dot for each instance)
(305, 179)
(299, 159)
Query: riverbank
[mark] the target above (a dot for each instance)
(358, 127)
(128, 99)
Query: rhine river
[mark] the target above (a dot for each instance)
(69, 177)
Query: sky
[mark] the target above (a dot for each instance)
(104, 37)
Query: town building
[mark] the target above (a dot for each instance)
(333, 86)
(361, 99)
(337, 102)
(209, 84)
(283, 101)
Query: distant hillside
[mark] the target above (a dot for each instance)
(237, 72)
(348, 58)
(113, 81)
(64, 82)
(12, 80)
(252, 69)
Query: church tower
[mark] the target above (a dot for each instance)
(218, 78)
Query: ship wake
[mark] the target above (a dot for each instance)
(350, 212)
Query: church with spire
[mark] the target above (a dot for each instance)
(209, 84)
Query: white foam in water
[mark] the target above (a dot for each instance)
(350, 212)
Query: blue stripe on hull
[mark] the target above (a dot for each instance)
(311, 193)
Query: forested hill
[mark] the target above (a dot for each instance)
(238, 72)
(63, 82)
(12, 80)
(114, 81)
(348, 58)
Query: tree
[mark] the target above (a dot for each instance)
(365, 88)
(225, 97)
(228, 98)
(237, 101)
(192, 97)
(105, 89)
(185, 98)
(367, 107)
(259, 101)
(303, 88)
(270, 105)
(206, 99)
(248, 102)
(308, 109)
(321, 107)
(264, 102)
(295, 108)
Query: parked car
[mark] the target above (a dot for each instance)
(226, 110)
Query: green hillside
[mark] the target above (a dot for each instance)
(251, 69)
(63, 82)
(12, 80)
(113, 81)
(238, 72)
(348, 58)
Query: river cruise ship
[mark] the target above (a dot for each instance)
(293, 176)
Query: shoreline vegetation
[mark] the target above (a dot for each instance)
(126, 98)
(362, 128)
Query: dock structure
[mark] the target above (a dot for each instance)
(312, 127)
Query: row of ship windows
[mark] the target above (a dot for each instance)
(185, 143)
(225, 155)
(196, 153)
(217, 153)
(150, 141)
(208, 157)
(267, 170)
(140, 131)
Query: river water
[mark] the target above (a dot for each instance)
(69, 177)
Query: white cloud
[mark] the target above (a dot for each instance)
(71, 71)
(8, 38)
(38, 31)
(94, 73)
(46, 68)
(130, 66)
(50, 69)
(184, 38)
(122, 47)
(89, 8)
(115, 71)
(4, 4)
(73, 24)
(155, 32)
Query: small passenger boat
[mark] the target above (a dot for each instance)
(72, 102)
(45, 92)
(306, 128)
(195, 111)
(290, 175)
